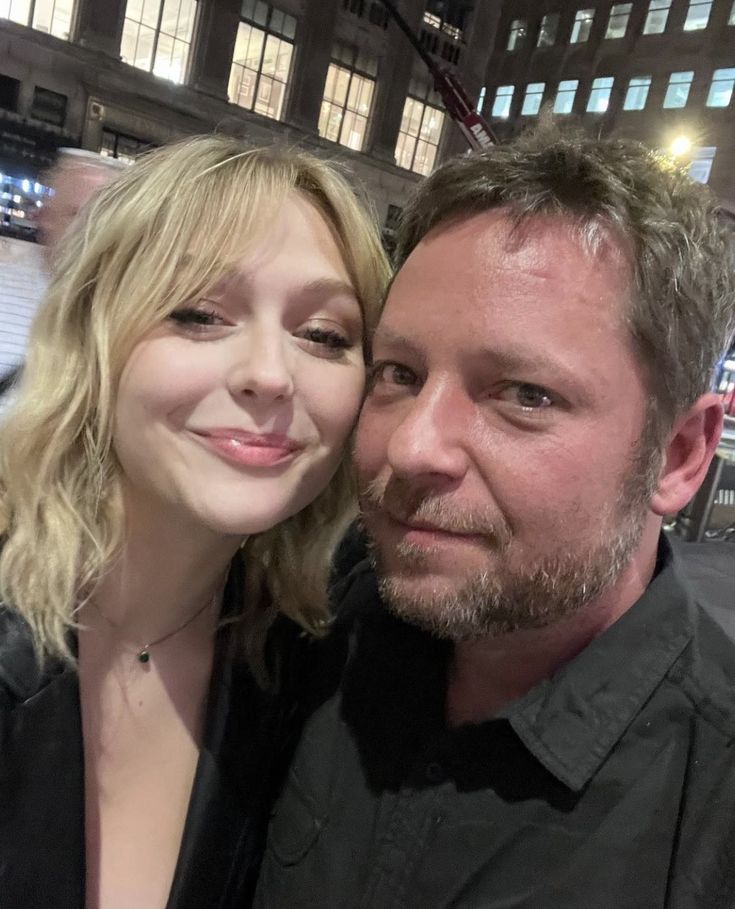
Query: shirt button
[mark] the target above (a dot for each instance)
(434, 772)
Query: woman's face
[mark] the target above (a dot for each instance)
(233, 414)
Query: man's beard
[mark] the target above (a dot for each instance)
(506, 597)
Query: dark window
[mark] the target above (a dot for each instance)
(49, 106)
(354, 6)
(378, 15)
(9, 89)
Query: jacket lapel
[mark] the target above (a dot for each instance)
(42, 778)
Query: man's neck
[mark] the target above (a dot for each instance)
(486, 674)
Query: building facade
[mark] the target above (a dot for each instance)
(661, 71)
(335, 76)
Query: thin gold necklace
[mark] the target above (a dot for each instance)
(143, 654)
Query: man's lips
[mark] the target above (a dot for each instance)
(424, 530)
(248, 448)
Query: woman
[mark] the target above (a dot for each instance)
(171, 477)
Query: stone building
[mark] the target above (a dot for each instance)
(335, 76)
(661, 71)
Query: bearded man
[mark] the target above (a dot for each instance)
(536, 708)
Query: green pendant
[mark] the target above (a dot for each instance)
(144, 656)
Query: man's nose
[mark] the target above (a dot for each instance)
(432, 437)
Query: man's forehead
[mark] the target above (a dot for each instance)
(512, 232)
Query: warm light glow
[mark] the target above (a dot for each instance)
(681, 146)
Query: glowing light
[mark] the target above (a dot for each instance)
(681, 146)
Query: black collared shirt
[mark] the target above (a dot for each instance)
(611, 786)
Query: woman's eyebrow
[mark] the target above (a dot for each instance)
(331, 286)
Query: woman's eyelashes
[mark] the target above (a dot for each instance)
(329, 338)
(195, 318)
(325, 339)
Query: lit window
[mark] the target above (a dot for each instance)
(517, 34)
(533, 98)
(447, 17)
(677, 91)
(599, 99)
(617, 24)
(481, 99)
(701, 165)
(637, 94)
(657, 17)
(51, 16)
(731, 20)
(582, 26)
(720, 92)
(261, 64)
(421, 130)
(565, 96)
(157, 36)
(697, 15)
(348, 97)
(501, 104)
(547, 32)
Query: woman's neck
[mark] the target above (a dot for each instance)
(166, 571)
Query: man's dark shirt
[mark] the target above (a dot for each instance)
(611, 786)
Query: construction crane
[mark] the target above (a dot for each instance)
(474, 127)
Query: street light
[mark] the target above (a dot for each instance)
(681, 146)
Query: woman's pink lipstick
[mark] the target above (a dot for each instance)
(250, 449)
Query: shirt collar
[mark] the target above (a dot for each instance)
(572, 722)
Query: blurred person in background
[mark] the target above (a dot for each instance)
(73, 180)
(173, 480)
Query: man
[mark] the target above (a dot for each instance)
(536, 709)
(75, 177)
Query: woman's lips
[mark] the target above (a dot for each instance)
(251, 449)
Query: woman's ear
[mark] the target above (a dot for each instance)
(691, 447)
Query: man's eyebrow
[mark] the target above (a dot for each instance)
(395, 340)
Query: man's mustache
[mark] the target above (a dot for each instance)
(408, 504)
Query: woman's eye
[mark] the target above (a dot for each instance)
(329, 338)
(195, 317)
(387, 374)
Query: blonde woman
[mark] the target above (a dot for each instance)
(172, 476)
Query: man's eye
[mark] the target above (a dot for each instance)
(532, 397)
(386, 373)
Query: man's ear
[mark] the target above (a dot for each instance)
(691, 447)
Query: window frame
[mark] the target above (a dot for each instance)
(268, 31)
(528, 95)
(652, 11)
(692, 5)
(600, 90)
(496, 101)
(578, 23)
(673, 86)
(638, 88)
(560, 91)
(189, 42)
(554, 17)
(31, 16)
(614, 15)
(430, 105)
(519, 29)
(354, 70)
(715, 81)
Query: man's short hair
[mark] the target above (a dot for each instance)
(682, 308)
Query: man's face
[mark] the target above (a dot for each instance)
(504, 465)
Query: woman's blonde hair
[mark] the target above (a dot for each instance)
(162, 234)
